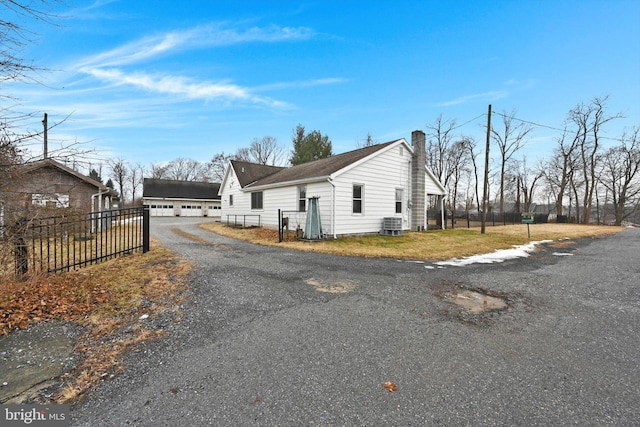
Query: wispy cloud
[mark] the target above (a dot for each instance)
(485, 96)
(211, 35)
(302, 84)
(181, 86)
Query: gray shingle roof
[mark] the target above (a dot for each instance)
(251, 172)
(180, 189)
(316, 169)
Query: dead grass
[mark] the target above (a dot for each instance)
(431, 245)
(106, 299)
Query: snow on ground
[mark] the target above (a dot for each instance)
(500, 255)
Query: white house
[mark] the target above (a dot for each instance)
(356, 190)
(167, 197)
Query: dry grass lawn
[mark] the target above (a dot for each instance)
(431, 245)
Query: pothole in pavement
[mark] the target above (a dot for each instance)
(477, 302)
(337, 287)
(474, 304)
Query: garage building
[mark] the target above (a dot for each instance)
(167, 197)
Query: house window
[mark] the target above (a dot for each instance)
(398, 200)
(256, 200)
(230, 199)
(302, 199)
(357, 198)
(54, 200)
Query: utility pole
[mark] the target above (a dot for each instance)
(46, 142)
(485, 196)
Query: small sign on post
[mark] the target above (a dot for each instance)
(527, 218)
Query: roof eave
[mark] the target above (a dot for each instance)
(286, 183)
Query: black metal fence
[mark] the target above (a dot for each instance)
(63, 243)
(243, 221)
(469, 219)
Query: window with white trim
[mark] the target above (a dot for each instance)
(399, 200)
(53, 200)
(358, 191)
(302, 198)
(256, 200)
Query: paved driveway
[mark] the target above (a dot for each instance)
(274, 337)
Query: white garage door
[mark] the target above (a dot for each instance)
(161, 210)
(191, 210)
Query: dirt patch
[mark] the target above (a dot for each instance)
(197, 239)
(339, 287)
(562, 244)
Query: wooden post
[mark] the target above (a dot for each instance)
(46, 141)
(485, 195)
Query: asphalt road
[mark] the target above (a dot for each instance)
(261, 342)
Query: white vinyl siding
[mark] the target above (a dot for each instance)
(380, 176)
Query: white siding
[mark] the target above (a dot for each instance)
(380, 176)
(241, 201)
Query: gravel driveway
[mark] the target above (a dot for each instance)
(279, 338)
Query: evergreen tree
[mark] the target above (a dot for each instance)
(309, 147)
(94, 175)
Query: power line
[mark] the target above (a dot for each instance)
(547, 126)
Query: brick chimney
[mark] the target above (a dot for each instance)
(418, 163)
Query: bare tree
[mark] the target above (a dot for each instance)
(14, 36)
(471, 145)
(510, 139)
(136, 175)
(441, 137)
(367, 142)
(458, 156)
(119, 174)
(589, 120)
(159, 170)
(561, 166)
(183, 169)
(218, 166)
(621, 173)
(266, 151)
(527, 181)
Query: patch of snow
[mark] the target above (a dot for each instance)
(144, 316)
(500, 255)
(562, 254)
(429, 267)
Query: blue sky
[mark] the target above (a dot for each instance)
(152, 81)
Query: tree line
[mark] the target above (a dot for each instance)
(580, 174)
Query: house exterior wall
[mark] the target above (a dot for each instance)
(283, 198)
(380, 177)
(49, 183)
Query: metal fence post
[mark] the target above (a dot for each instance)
(21, 249)
(145, 229)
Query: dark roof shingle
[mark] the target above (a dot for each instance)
(180, 189)
(315, 169)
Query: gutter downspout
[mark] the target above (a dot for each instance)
(93, 212)
(333, 208)
(442, 224)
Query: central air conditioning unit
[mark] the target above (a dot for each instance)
(391, 226)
